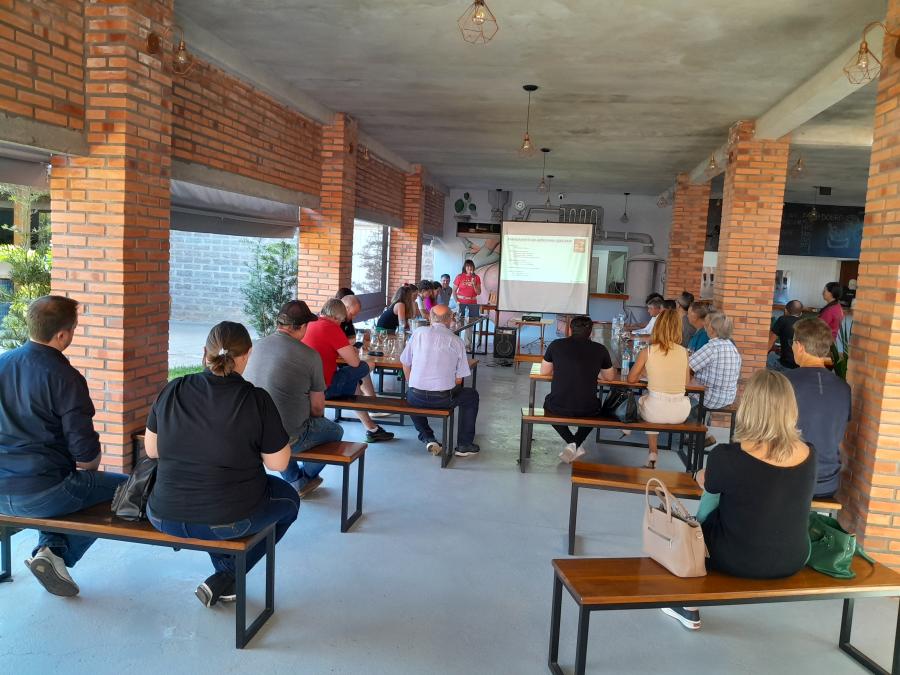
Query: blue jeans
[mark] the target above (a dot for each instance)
(346, 380)
(470, 310)
(77, 491)
(316, 431)
(281, 506)
(773, 362)
(463, 397)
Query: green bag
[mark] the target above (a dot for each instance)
(831, 548)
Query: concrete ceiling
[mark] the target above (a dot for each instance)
(632, 91)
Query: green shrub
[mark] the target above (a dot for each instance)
(273, 280)
(30, 275)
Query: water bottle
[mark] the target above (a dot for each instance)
(626, 360)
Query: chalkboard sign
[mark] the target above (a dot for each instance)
(835, 232)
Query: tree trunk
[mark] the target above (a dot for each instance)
(21, 222)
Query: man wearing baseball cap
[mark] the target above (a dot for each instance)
(292, 374)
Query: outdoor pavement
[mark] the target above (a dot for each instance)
(186, 340)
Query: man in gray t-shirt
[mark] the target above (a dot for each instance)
(292, 374)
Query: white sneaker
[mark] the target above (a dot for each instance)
(687, 617)
(579, 453)
(50, 570)
(568, 453)
(434, 447)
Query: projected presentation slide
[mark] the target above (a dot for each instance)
(544, 267)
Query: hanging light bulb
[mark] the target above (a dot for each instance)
(478, 25)
(713, 165)
(624, 219)
(527, 149)
(799, 168)
(549, 185)
(542, 186)
(814, 211)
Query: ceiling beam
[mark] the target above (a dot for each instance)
(833, 136)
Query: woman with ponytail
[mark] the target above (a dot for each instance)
(215, 434)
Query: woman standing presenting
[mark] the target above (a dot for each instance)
(832, 313)
(466, 289)
(666, 363)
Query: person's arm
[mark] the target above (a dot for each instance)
(546, 367)
(77, 420)
(772, 338)
(608, 374)
(634, 375)
(150, 444)
(400, 311)
(350, 355)
(277, 461)
(317, 404)
(477, 285)
(701, 478)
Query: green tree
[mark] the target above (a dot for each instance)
(30, 276)
(272, 282)
(23, 199)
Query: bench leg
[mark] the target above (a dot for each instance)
(858, 656)
(555, 610)
(531, 392)
(243, 633)
(5, 554)
(573, 517)
(447, 455)
(347, 522)
(524, 444)
(584, 616)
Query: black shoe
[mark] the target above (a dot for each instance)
(378, 435)
(467, 450)
(220, 586)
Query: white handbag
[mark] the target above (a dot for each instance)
(672, 537)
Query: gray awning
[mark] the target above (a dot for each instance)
(22, 165)
(196, 208)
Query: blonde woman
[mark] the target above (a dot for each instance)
(764, 483)
(666, 365)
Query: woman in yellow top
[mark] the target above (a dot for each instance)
(666, 365)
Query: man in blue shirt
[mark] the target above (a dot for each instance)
(435, 363)
(49, 451)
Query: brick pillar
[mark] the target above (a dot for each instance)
(326, 235)
(110, 222)
(688, 238)
(405, 255)
(748, 246)
(870, 485)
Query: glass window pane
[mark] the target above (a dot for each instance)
(367, 275)
(428, 260)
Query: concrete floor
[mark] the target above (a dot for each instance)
(448, 571)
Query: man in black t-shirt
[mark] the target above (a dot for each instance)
(576, 364)
(783, 330)
(351, 302)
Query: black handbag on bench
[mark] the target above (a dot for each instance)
(621, 404)
(131, 497)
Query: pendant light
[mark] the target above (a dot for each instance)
(624, 219)
(527, 149)
(799, 168)
(542, 186)
(478, 25)
(549, 185)
(813, 214)
(712, 165)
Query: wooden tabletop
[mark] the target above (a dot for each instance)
(641, 581)
(542, 322)
(694, 388)
(394, 362)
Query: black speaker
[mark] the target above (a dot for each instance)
(504, 343)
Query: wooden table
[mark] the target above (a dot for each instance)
(382, 363)
(519, 323)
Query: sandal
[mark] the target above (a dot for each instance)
(651, 460)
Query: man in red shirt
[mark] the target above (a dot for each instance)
(328, 339)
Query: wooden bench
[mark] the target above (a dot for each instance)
(98, 521)
(634, 479)
(342, 454)
(600, 584)
(400, 405)
(691, 454)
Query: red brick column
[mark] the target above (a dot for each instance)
(748, 246)
(687, 240)
(870, 485)
(405, 256)
(110, 221)
(326, 235)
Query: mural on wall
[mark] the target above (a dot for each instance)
(485, 253)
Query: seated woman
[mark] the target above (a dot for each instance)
(765, 482)
(402, 308)
(214, 435)
(576, 363)
(666, 364)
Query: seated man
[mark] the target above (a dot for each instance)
(576, 363)
(684, 302)
(292, 374)
(49, 451)
(823, 401)
(435, 363)
(697, 317)
(717, 365)
(352, 305)
(327, 338)
(783, 330)
(654, 307)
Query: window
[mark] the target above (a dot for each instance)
(608, 269)
(428, 259)
(368, 276)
